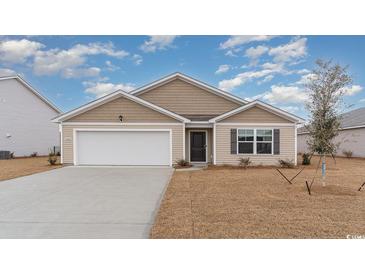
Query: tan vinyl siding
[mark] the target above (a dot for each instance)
(209, 144)
(184, 98)
(177, 138)
(223, 146)
(255, 115)
(132, 113)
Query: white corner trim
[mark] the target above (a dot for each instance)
(267, 107)
(75, 130)
(214, 144)
(296, 146)
(33, 90)
(61, 140)
(111, 96)
(184, 156)
(190, 80)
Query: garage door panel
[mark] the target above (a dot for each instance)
(123, 147)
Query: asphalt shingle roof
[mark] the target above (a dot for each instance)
(353, 118)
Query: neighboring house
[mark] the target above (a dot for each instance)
(176, 117)
(350, 138)
(25, 119)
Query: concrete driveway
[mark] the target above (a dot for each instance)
(82, 202)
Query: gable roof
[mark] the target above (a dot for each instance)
(33, 90)
(352, 119)
(111, 96)
(274, 110)
(190, 80)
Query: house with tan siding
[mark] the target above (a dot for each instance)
(176, 117)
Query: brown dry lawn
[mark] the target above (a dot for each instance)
(223, 202)
(18, 167)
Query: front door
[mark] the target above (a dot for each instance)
(198, 146)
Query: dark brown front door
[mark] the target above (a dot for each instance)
(198, 146)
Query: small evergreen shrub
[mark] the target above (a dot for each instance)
(347, 153)
(34, 154)
(244, 162)
(286, 163)
(52, 158)
(182, 163)
(306, 159)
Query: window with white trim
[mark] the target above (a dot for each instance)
(254, 141)
(245, 141)
(264, 141)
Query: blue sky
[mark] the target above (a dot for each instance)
(72, 70)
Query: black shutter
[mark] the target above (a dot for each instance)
(276, 141)
(233, 141)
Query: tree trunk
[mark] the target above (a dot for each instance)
(324, 170)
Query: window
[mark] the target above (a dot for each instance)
(245, 141)
(254, 141)
(263, 141)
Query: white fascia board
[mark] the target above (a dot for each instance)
(27, 85)
(192, 81)
(111, 96)
(268, 107)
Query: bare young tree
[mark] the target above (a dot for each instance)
(325, 89)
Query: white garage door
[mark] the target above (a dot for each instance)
(122, 148)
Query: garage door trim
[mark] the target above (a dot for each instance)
(75, 130)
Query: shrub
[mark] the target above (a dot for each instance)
(245, 162)
(347, 153)
(306, 159)
(286, 163)
(34, 154)
(182, 163)
(52, 158)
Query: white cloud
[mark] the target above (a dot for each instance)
(238, 40)
(137, 59)
(81, 72)
(285, 94)
(56, 61)
(272, 66)
(266, 79)
(240, 79)
(354, 89)
(294, 50)
(303, 71)
(254, 53)
(99, 89)
(290, 108)
(17, 51)
(110, 66)
(222, 69)
(305, 79)
(158, 42)
(6, 72)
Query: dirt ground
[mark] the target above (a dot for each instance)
(18, 167)
(223, 202)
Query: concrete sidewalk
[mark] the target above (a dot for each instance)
(82, 202)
